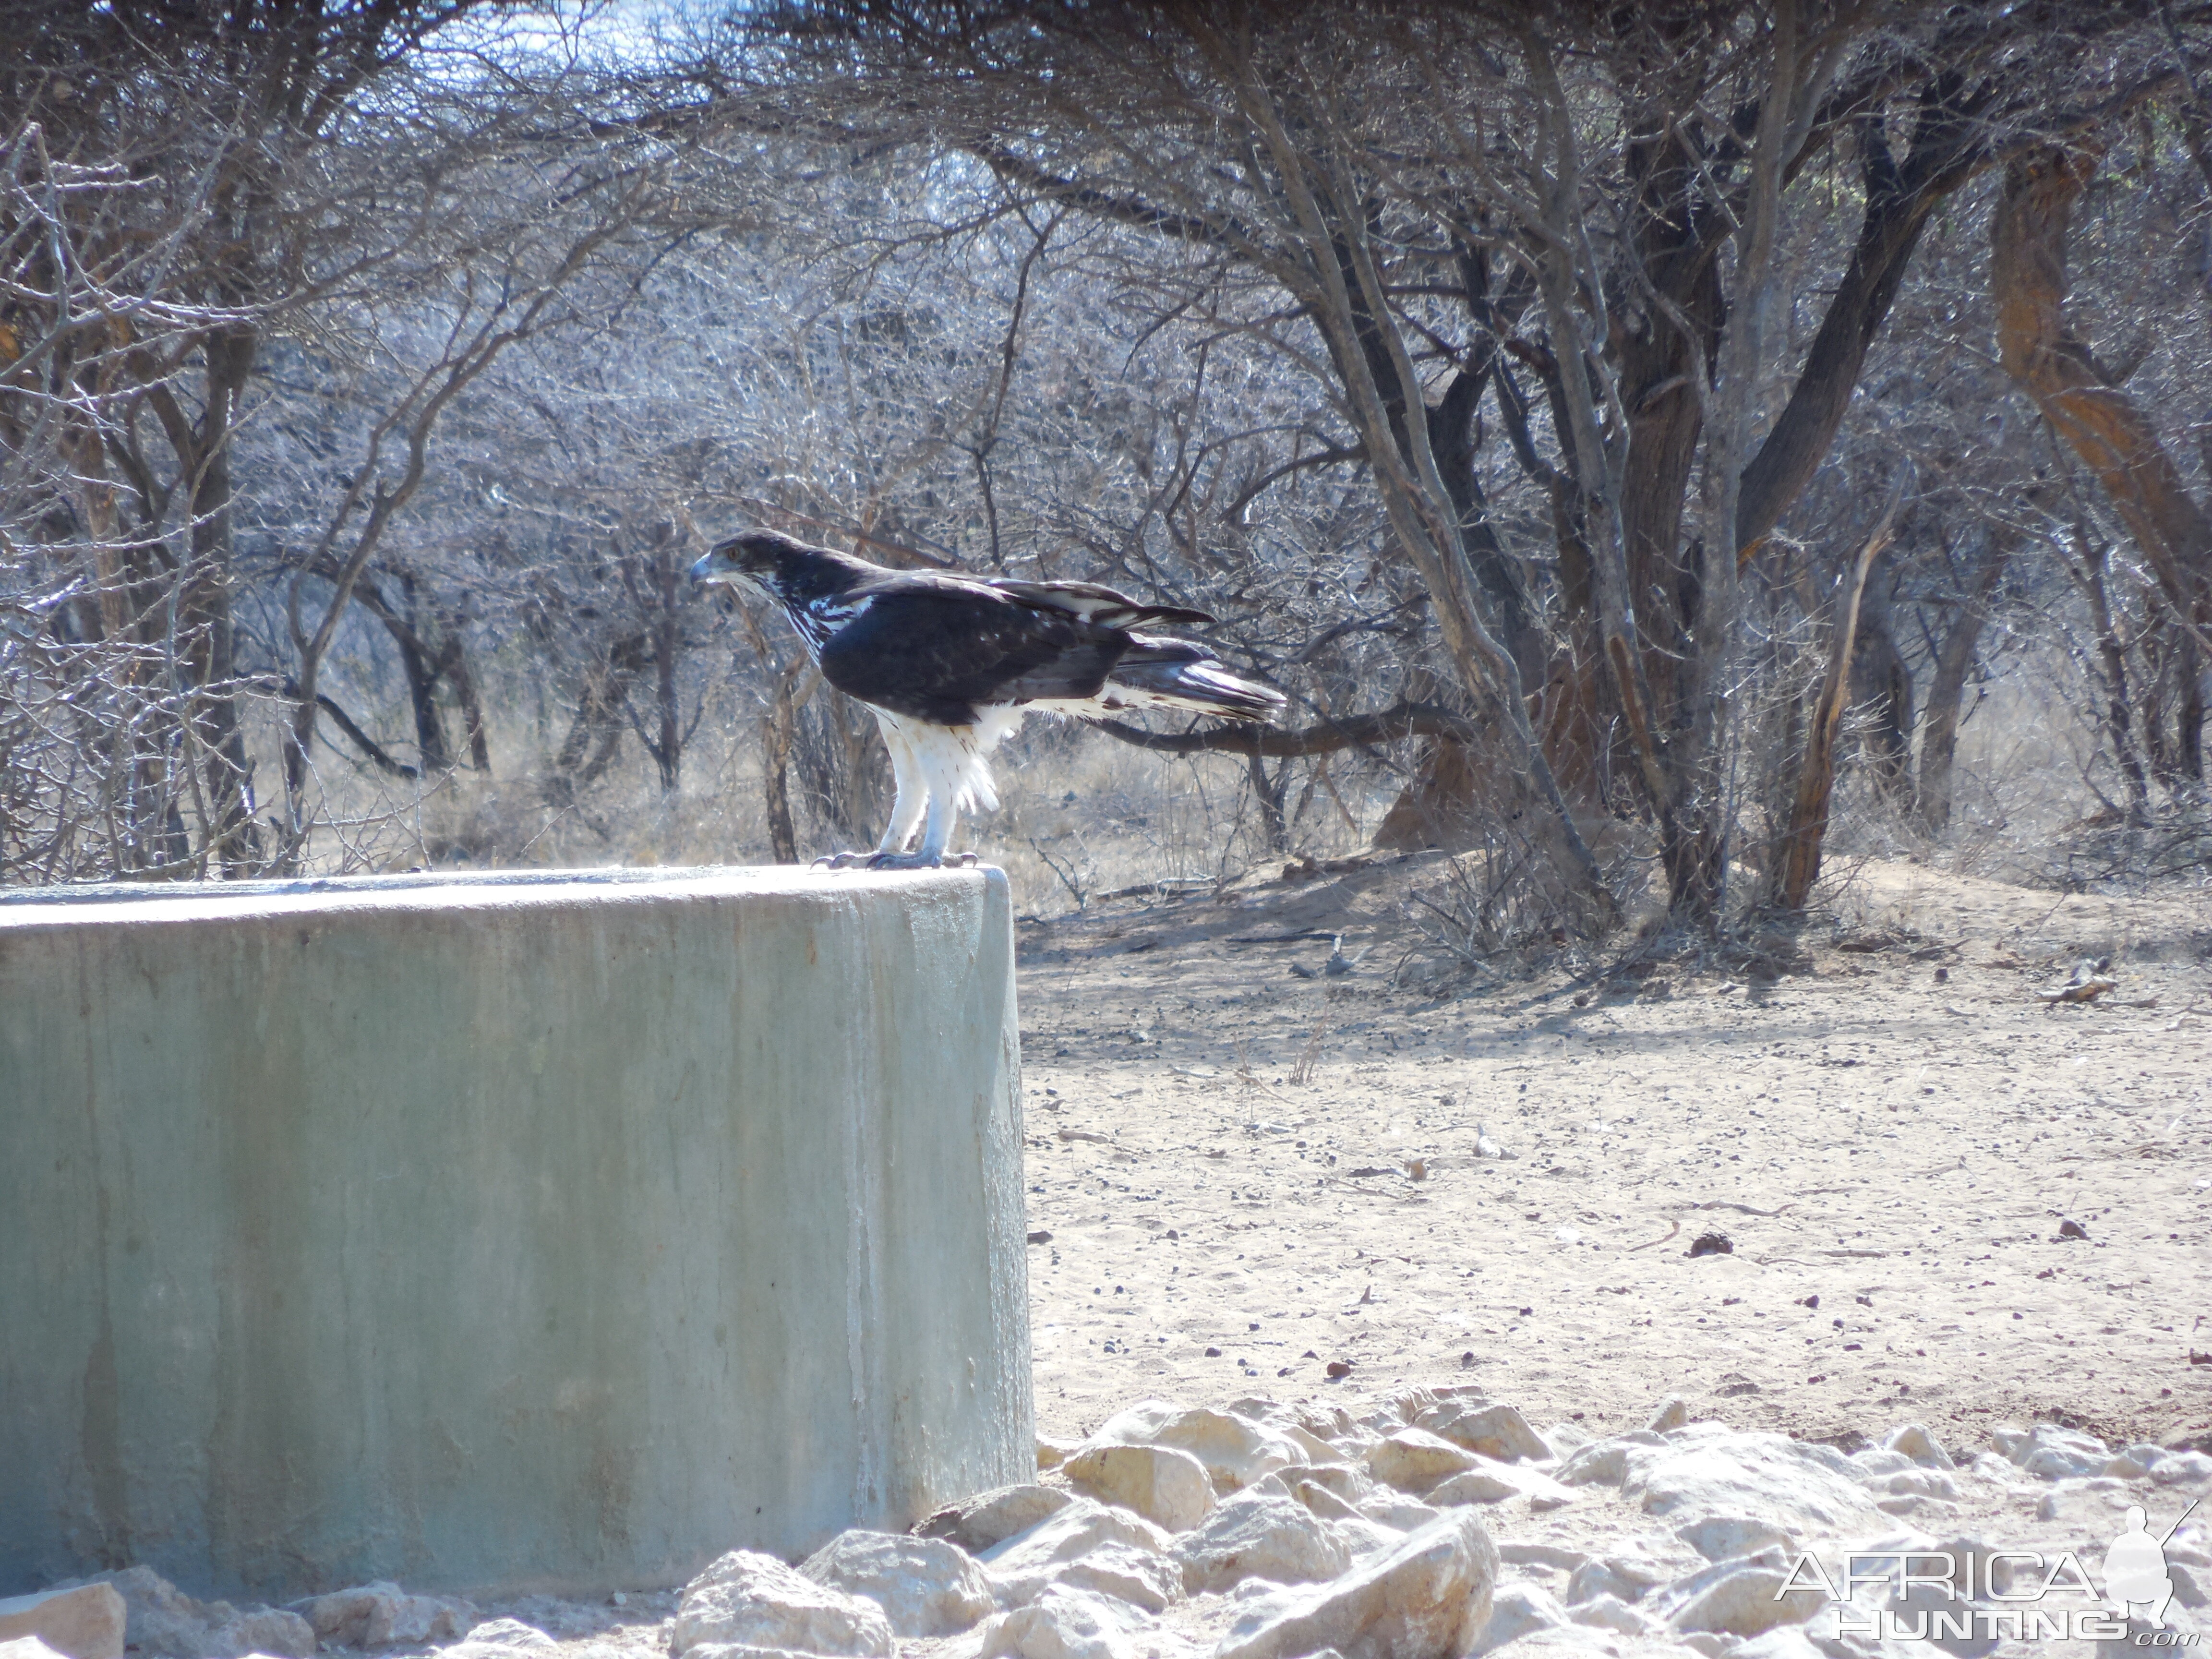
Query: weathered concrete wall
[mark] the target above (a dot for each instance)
(503, 1233)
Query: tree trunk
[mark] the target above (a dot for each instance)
(2102, 424)
(422, 672)
(2113, 652)
(1436, 807)
(205, 614)
(1269, 792)
(1881, 680)
(2189, 714)
(2173, 706)
(1339, 280)
(778, 729)
(455, 665)
(667, 644)
(1792, 875)
(1949, 143)
(597, 730)
(1954, 662)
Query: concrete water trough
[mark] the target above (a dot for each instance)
(552, 1232)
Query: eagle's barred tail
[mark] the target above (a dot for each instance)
(1199, 686)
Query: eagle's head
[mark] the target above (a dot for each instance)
(761, 559)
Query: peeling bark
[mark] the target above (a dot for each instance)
(2099, 422)
(1799, 866)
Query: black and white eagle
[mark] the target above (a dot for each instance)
(951, 663)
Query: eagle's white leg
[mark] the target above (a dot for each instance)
(912, 794)
(945, 767)
(944, 818)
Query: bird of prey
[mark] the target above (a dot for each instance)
(952, 665)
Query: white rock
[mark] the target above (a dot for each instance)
(2050, 1451)
(1061, 1623)
(1564, 1439)
(1782, 1642)
(1411, 1405)
(926, 1586)
(1322, 1502)
(84, 1622)
(1572, 1641)
(1746, 1602)
(381, 1614)
(1496, 1432)
(1912, 1504)
(1609, 1613)
(1879, 1461)
(1493, 1482)
(1516, 1610)
(1364, 1539)
(1425, 1599)
(988, 1519)
(1400, 1514)
(1536, 1553)
(510, 1634)
(1919, 1483)
(1602, 1463)
(2006, 1436)
(1914, 1440)
(1593, 1579)
(1707, 1469)
(1088, 1546)
(2188, 1581)
(1261, 1535)
(751, 1598)
(1334, 1424)
(1164, 1484)
(506, 1638)
(1672, 1413)
(1307, 1430)
(163, 1619)
(2176, 1468)
(1974, 1562)
(1051, 1453)
(1413, 1460)
(1317, 1450)
(1350, 1482)
(1236, 1451)
(2092, 1501)
(1725, 1537)
(26, 1647)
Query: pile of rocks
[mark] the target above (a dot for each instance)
(1262, 1530)
(1432, 1523)
(98, 1618)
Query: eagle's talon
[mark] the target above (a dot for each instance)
(903, 861)
(839, 860)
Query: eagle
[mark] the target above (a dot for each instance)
(950, 664)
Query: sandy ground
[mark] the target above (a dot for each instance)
(1246, 1175)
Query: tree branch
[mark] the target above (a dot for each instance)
(1405, 720)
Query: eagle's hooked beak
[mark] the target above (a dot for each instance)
(715, 566)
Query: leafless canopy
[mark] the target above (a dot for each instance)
(1522, 385)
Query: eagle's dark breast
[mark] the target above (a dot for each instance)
(939, 648)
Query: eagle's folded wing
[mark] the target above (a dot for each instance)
(939, 653)
(1096, 604)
